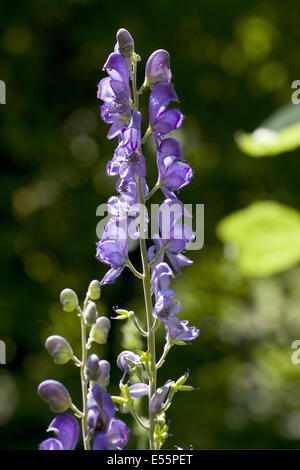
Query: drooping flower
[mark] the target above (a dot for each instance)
(179, 331)
(174, 236)
(173, 173)
(108, 433)
(113, 250)
(66, 429)
(55, 394)
(163, 121)
(115, 92)
(158, 68)
(126, 360)
(126, 207)
(128, 160)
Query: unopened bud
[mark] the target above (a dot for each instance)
(94, 290)
(59, 348)
(69, 300)
(99, 330)
(159, 397)
(127, 359)
(56, 395)
(90, 313)
(104, 377)
(158, 68)
(125, 43)
(92, 369)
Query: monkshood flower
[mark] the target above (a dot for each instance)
(126, 360)
(108, 433)
(126, 208)
(128, 160)
(115, 92)
(125, 43)
(55, 394)
(179, 331)
(66, 429)
(174, 236)
(113, 250)
(173, 174)
(158, 68)
(163, 121)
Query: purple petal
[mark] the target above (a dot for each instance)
(112, 275)
(167, 121)
(180, 331)
(117, 68)
(178, 261)
(138, 390)
(160, 97)
(158, 68)
(66, 428)
(100, 442)
(171, 147)
(51, 444)
(117, 434)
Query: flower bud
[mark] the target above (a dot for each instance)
(55, 394)
(159, 397)
(92, 368)
(69, 300)
(90, 313)
(104, 377)
(59, 348)
(158, 68)
(99, 330)
(138, 390)
(127, 359)
(94, 290)
(125, 43)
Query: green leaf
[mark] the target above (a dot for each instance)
(279, 133)
(263, 239)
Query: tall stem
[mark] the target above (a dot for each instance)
(85, 435)
(149, 312)
(146, 278)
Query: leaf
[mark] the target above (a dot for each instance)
(279, 133)
(263, 239)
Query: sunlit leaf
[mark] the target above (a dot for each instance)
(279, 133)
(264, 238)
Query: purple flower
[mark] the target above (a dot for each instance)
(174, 236)
(66, 429)
(126, 208)
(55, 395)
(179, 331)
(112, 249)
(158, 68)
(109, 433)
(139, 390)
(173, 174)
(125, 43)
(163, 121)
(128, 160)
(126, 360)
(115, 92)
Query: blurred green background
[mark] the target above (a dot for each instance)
(233, 64)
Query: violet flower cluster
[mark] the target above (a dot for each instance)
(128, 163)
(161, 261)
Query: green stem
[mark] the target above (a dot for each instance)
(167, 348)
(132, 268)
(85, 435)
(146, 279)
(149, 312)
